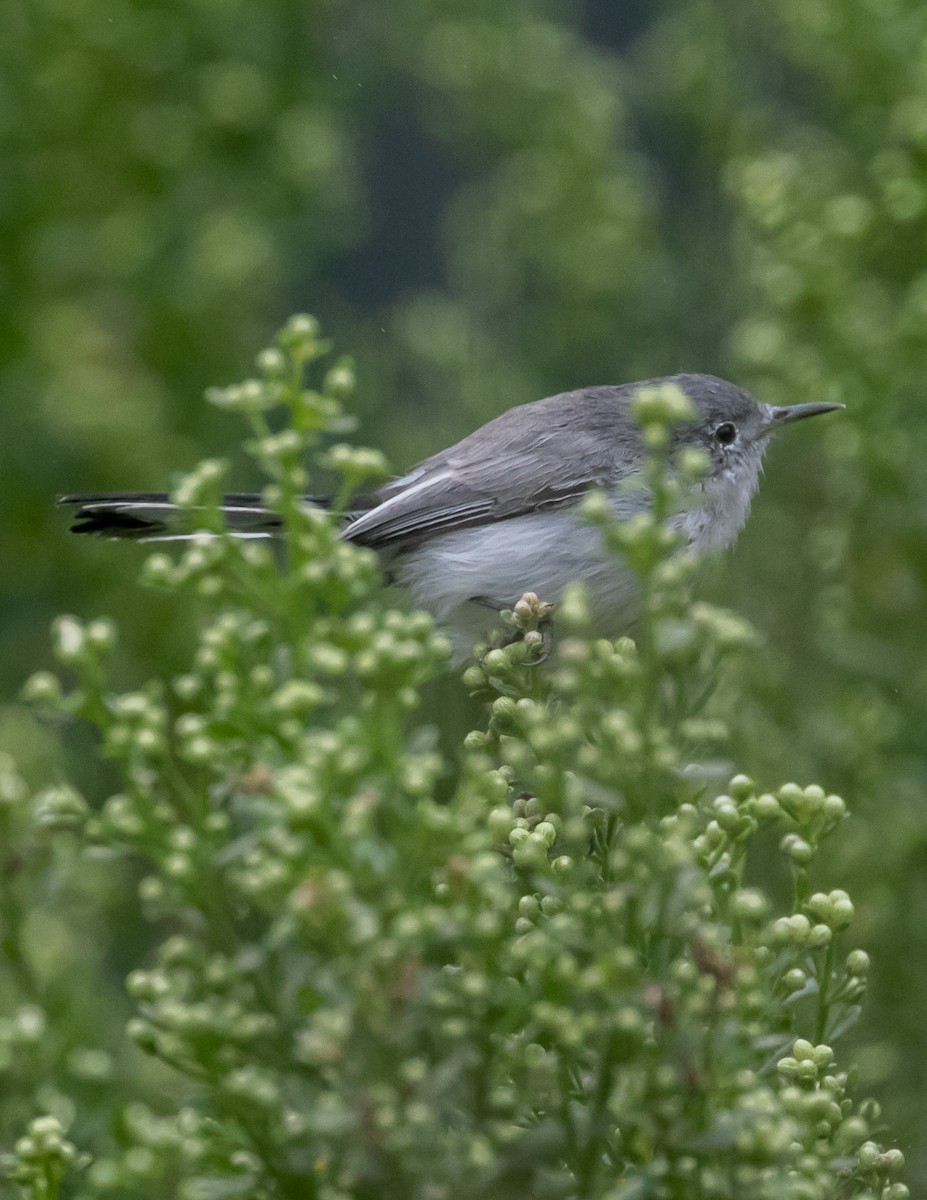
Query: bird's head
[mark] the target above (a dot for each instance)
(732, 428)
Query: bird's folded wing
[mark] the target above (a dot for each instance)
(426, 512)
(539, 456)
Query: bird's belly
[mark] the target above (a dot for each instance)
(541, 552)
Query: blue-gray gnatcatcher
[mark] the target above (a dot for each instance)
(495, 515)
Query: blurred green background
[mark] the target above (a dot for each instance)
(485, 204)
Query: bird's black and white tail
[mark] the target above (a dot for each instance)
(152, 517)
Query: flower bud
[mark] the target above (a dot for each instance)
(42, 689)
(663, 404)
(749, 904)
(858, 963)
(339, 380)
(742, 787)
(69, 640)
(59, 807)
(546, 832)
(797, 849)
(766, 807)
(693, 463)
(790, 796)
(300, 335)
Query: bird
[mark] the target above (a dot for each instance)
(497, 515)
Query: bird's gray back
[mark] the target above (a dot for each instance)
(538, 456)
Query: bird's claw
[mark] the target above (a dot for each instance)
(532, 622)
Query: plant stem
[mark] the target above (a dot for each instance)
(590, 1165)
(825, 974)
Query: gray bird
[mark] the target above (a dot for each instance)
(495, 515)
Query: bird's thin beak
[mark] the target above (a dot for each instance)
(788, 413)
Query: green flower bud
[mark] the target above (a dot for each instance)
(501, 820)
(797, 849)
(891, 1161)
(69, 640)
(858, 963)
(340, 381)
(28, 1025)
(280, 446)
(46, 1130)
(271, 363)
(253, 1085)
(596, 509)
(101, 634)
(143, 1035)
(529, 851)
(852, 1131)
(26, 1148)
(90, 1065)
(813, 798)
(656, 437)
(664, 404)
(693, 463)
(356, 463)
(628, 1022)
(504, 710)
(473, 677)
(534, 1056)
(300, 336)
(495, 661)
(200, 486)
(795, 929)
(790, 796)
(766, 807)
(546, 832)
(842, 911)
(151, 890)
(749, 904)
(742, 787)
(43, 689)
(806, 1071)
(297, 696)
(59, 807)
(819, 904)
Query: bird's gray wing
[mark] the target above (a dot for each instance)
(435, 505)
(540, 456)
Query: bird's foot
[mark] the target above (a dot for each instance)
(532, 623)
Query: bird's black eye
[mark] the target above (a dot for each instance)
(726, 433)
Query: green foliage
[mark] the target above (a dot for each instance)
(561, 982)
(488, 203)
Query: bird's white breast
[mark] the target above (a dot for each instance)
(540, 552)
(543, 552)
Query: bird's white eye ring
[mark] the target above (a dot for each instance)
(726, 433)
